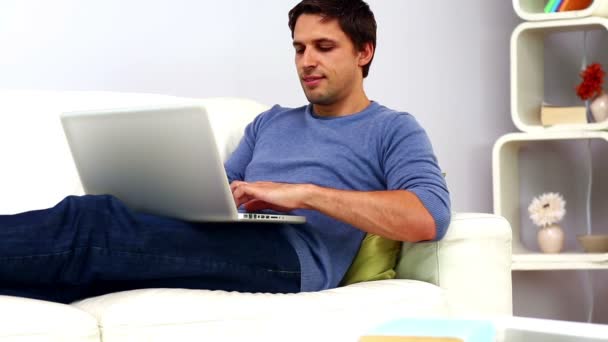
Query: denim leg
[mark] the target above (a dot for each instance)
(92, 245)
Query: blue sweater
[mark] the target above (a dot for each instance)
(375, 149)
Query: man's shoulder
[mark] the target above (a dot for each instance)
(275, 115)
(380, 108)
(279, 111)
(393, 117)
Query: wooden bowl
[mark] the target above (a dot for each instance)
(594, 243)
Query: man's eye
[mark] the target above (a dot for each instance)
(299, 51)
(325, 48)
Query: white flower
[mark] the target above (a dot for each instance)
(547, 209)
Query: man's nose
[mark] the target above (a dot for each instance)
(309, 58)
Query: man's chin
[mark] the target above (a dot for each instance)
(318, 99)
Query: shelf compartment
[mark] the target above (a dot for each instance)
(527, 71)
(559, 261)
(533, 10)
(506, 184)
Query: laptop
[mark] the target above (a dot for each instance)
(162, 161)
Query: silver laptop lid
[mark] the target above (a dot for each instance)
(156, 160)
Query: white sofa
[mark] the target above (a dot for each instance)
(466, 274)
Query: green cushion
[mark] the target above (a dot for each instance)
(375, 260)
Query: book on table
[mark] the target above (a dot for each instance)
(560, 115)
(408, 339)
(432, 330)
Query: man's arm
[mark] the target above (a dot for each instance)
(394, 214)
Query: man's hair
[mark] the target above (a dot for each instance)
(354, 17)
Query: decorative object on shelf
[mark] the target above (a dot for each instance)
(574, 5)
(594, 243)
(546, 211)
(555, 115)
(591, 89)
(544, 10)
(599, 107)
(552, 6)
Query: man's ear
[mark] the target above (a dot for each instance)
(366, 54)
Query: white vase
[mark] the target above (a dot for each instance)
(551, 239)
(599, 107)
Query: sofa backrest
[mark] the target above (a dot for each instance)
(229, 117)
(38, 170)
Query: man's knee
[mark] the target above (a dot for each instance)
(99, 202)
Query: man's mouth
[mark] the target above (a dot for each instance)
(312, 81)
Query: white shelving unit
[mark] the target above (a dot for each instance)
(505, 166)
(561, 261)
(533, 10)
(527, 95)
(527, 72)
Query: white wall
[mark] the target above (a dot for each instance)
(445, 62)
(430, 62)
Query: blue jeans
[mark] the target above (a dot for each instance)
(93, 245)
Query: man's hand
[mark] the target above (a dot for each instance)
(394, 214)
(258, 196)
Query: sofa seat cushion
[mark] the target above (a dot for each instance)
(23, 319)
(341, 314)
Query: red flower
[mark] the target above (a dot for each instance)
(593, 79)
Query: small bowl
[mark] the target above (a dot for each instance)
(594, 243)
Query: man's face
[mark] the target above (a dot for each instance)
(326, 59)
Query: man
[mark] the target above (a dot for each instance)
(348, 164)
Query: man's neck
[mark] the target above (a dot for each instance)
(349, 106)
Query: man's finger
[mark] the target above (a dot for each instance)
(256, 205)
(236, 184)
(240, 196)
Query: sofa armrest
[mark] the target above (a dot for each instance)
(472, 264)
